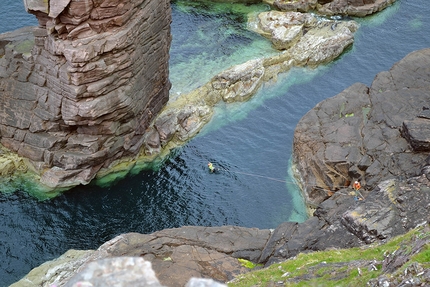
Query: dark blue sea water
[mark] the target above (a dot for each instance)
(251, 142)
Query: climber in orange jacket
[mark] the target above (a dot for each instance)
(357, 187)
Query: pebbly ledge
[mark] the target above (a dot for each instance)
(395, 201)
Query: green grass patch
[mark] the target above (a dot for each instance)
(338, 267)
(248, 264)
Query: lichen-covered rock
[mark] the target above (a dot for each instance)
(358, 8)
(393, 208)
(57, 271)
(294, 5)
(285, 29)
(324, 42)
(79, 92)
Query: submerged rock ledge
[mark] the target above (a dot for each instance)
(395, 198)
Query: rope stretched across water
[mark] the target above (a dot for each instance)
(266, 177)
(257, 175)
(284, 181)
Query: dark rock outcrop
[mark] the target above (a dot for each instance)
(370, 134)
(79, 91)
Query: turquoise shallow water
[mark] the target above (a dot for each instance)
(250, 142)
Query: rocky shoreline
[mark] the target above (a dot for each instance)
(376, 135)
(391, 203)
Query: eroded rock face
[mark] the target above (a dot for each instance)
(81, 91)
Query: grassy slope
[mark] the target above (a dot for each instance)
(405, 255)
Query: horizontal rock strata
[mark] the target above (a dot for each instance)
(81, 89)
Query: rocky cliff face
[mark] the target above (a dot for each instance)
(81, 90)
(367, 133)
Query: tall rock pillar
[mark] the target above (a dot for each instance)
(85, 92)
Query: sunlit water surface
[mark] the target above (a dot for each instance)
(250, 142)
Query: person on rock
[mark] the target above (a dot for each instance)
(357, 187)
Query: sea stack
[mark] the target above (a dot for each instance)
(80, 90)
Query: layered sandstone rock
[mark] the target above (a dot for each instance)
(81, 91)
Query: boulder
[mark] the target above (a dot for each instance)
(119, 271)
(417, 132)
(240, 82)
(293, 5)
(359, 8)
